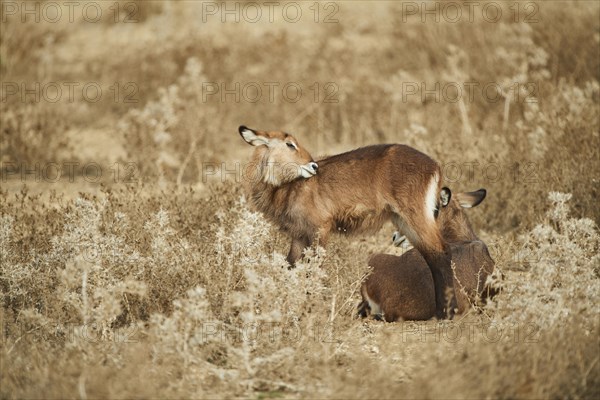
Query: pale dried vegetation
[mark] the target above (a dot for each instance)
(173, 287)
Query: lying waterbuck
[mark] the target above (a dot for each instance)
(401, 287)
(353, 192)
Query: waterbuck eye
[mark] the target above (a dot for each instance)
(291, 145)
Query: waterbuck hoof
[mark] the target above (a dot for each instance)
(445, 314)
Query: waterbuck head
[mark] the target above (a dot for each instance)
(452, 219)
(278, 157)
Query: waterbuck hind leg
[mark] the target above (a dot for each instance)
(441, 271)
(426, 237)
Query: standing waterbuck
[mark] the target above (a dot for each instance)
(353, 192)
(401, 287)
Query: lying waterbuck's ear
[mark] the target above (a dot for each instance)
(445, 196)
(253, 137)
(471, 199)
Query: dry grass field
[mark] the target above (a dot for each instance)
(133, 267)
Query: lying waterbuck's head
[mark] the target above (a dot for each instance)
(278, 158)
(453, 221)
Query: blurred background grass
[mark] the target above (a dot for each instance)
(167, 65)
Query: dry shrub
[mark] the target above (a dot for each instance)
(122, 286)
(163, 129)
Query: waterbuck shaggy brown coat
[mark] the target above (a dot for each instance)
(353, 192)
(401, 287)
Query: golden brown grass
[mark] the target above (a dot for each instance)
(164, 284)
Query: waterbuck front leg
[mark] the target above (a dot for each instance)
(297, 247)
(299, 244)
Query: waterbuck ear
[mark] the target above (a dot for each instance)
(471, 199)
(445, 196)
(253, 137)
